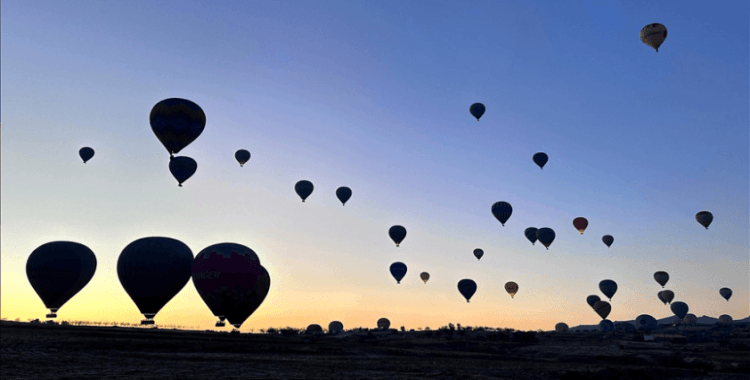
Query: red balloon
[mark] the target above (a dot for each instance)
(580, 223)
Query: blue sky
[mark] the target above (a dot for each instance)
(375, 96)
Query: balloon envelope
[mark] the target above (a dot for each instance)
(478, 253)
(397, 234)
(152, 270)
(303, 188)
(653, 35)
(690, 319)
(512, 288)
(606, 325)
(726, 293)
(182, 168)
(645, 322)
(176, 123)
(666, 296)
(540, 159)
(661, 277)
(343, 194)
(679, 309)
(502, 211)
(545, 236)
(242, 156)
(592, 299)
(86, 153)
(424, 276)
(580, 223)
(335, 327)
(608, 287)
(530, 234)
(477, 110)
(384, 323)
(314, 328)
(467, 288)
(58, 270)
(725, 319)
(398, 271)
(704, 218)
(561, 327)
(608, 240)
(602, 308)
(239, 314)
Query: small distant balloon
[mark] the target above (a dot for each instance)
(335, 327)
(531, 234)
(176, 123)
(478, 253)
(303, 188)
(467, 288)
(512, 288)
(679, 309)
(86, 153)
(666, 296)
(608, 240)
(424, 276)
(661, 277)
(580, 223)
(397, 234)
(608, 287)
(592, 299)
(602, 308)
(398, 271)
(242, 156)
(561, 327)
(545, 236)
(502, 211)
(654, 35)
(343, 193)
(384, 323)
(182, 168)
(704, 218)
(477, 110)
(540, 159)
(726, 293)
(606, 325)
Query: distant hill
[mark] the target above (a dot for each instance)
(704, 320)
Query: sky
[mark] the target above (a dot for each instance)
(375, 96)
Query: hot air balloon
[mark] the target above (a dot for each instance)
(240, 313)
(606, 325)
(608, 240)
(561, 327)
(608, 287)
(86, 153)
(304, 189)
(704, 218)
(530, 234)
(397, 234)
(467, 288)
(384, 323)
(176, 123)
(725, 319)
(592, 299)
(679, 309)
(690, 319)
(242, 156)
(545, 236)
(580, 223)
(314, 328)
(398, 271)
(224, 274)
(343, 194)
(153, 270)
(182, 168)
(654, 35)
(602, 308)
(726, 293)
(512, 288)
(335, 327)
(478, 253)
(540, 159)
(58, 270)
(645, 322)
(666, 296)
(424, 276)
(661, 277)
(502, 211)
(477, 110)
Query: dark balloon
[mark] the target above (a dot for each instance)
(467, 288)
(545, 236)
(645, 322)
(478, 253)
(726, 293)
(398, 271)
(153, 270)
(602, 308)
(561, 327)
(335, 327)
(704, 218)
(661, 277)
(606, 325)
(176, 123)
(580, 223)
(397, 234)
(86, 153)
(608, 287)
(502, 211)
(242, 156)
(477, 110)
(679, 309)
(608, 240)
(666, 296)
(237, 315)
(182, 168)
(540, 159)
(304, 189)
(654, 35)
(531, 234)
(314, 328)
(384, 323)
(58, 270)
(592, 299)
(343, 193)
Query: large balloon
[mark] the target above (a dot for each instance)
(384, 323)
(540, 159)
(661, 277)
(580, 223)
(545, 236)
(606, 325)
(608, 240)
(467, 288)
(242, 156)
(704, 218)
(679, 309)
(58, 270)
(314, 328)
(725, 319)
(666, 296)
(153, 270)
(303, 188)
(530, 234)
(224, 274)
(343, 194)
(602, 308)
(397, 234)
(238, 314)
(654, 35)
(592, 299)
(335, 327)
(182, 168)
(86, 153)
(561, 327)
(477, 110)
(398, 271)
(424, 276)
(512, 288)
(726, 293)
(176, 123)
(645, 322)
(608, 287)
(478, 253)
(502, 211)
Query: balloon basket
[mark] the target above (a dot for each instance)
(51, 315)
(147, 322)
(220, 324)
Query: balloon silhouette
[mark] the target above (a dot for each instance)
(726, 293)
(592, 299)
(690, 319)
(477, 110)
(397, 234)
(335, 327)
(176, 123)
(645, 322)
(608, 240)
(478, 253)
(398, 271)
(467, 288)
(58, 270)
(512, 288)
(608, 287)
(654, 35)
(666, 296)
(424, 276)
(540, 159)
(531, 234)
(602, 308)
(384, 323)
(661, 277)
(343, 194)
(242, 156)
(679, 309)
(606, 325)
(86, 153)
(545, 236)
(240, 313)
(725, 319)
(304, 189)
(704, 218)
(561, 327)
(182, 168)
(502, 211)
(580, 223)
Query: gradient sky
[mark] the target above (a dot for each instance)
(374, 95)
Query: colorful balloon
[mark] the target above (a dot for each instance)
(545, 236)
(502, 211)
(512, 288)
(478, 253)
(304, 189)
(176, 123)
(661, 277)
(467, 288)
(397, 234)
(424, 276)
(531, 234)
(182, 168)
(679, 309)
(398, 271)
(540, 159)
(654, 35)
(608, 240)
(240, 313)
(86, 153)
(477, 110)
(242, 156)
(602, 308)
(343, 194)
(580, 223)
(704, 218)
(726, 293)
(608, 287)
